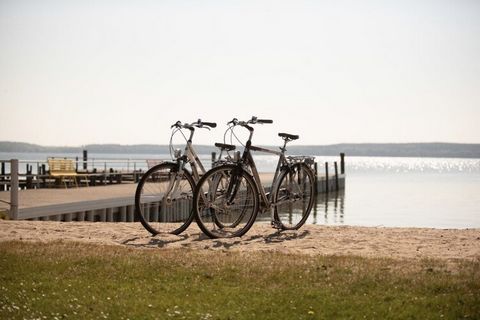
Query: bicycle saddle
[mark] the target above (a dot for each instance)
(224, 146)
(288, 136)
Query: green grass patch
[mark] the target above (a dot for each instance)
(79, 281)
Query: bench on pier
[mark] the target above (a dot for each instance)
(64, 170)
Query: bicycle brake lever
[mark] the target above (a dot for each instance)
(234, 121)
(177, 124)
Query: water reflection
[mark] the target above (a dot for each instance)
(328, 209)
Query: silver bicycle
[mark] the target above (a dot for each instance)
(228, 197)
(163, 198)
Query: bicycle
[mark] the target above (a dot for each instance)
(163, 198)
(227, 198)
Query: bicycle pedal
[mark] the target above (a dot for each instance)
(277, 225)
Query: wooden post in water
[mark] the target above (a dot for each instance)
(13, 189)
(29, 179)
(214, 157)
(342, 163)
(43, 173)
(315, 168)
(3, 187)
(327, 185)
(336, 177)
(85, 160)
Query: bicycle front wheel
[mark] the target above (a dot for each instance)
(163, 199)
(225, 202)
(294, 196)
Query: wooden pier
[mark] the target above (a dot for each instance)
(107, 202)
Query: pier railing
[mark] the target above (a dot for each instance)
(33, 174)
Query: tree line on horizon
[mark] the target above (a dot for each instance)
(438, 149)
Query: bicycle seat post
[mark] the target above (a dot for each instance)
(284, 148)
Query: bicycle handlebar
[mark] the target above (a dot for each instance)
(199, 124)
(253, 120)
(264, 121)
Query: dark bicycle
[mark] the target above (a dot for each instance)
(228, 197)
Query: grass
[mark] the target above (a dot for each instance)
(77, 281)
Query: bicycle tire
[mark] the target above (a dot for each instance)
(222, 215)
(294, 200)
(160, 214)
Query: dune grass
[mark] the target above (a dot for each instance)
(79, 281)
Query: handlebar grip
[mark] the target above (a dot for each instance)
(210, 124)
(264, 121)
(234, 121)
(177, 124)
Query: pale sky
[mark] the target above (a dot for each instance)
(99, 71)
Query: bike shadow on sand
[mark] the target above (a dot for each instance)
(159, 241)
(164, 240)
(278, 236)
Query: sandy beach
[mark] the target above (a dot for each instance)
(398, 243)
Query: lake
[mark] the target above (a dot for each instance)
(405, 192)
(380, 191)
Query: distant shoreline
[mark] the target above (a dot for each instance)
(421, 150)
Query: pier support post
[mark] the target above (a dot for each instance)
(327, 183)
(13, 189)
(91, 215)
(3, 187)
(130, 213)
(342, 163)
(110, 215)
(123, 214)
(336, 177)
(29, 178)
(85, 160)
(81, 216)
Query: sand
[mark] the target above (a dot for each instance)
(397, 243)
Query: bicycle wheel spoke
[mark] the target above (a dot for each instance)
(294, 197)
(225, 205)
(163, 200)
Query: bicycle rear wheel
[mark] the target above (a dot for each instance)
(163, 199)
(225, 202)
(294, 196)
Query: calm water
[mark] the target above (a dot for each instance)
(405, 192)
(393, 192)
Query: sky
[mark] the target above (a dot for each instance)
(106, 71)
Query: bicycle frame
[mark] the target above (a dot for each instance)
(247, 160)
(266, 199)
(191, 157)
